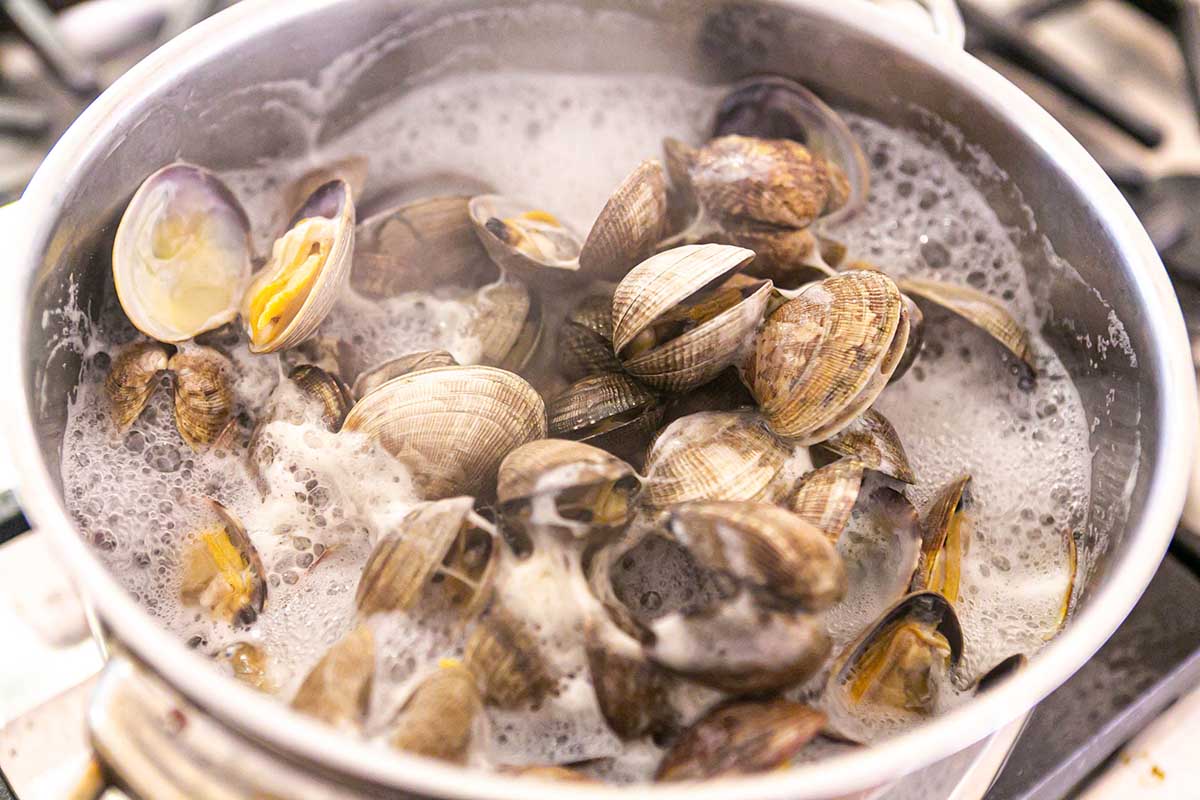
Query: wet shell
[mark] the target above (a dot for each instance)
(508, 324)
(1002, 671)
(788, 257)
(330, 354)
(524, 241)
(945, 535)
(452, 426)
(979, 309)
(741, 738)
(916, 338)
(629, 226)
(337, 690)
(585, 339)
(611, 411)
(351, 169)
(291, 296)
(714, 455)
(763, 546)
(1072, 573)
(826, 496)
(132, 379)
(823, 357)
(505, 659)
(326, 390)
(203, 395)
(394, 368)
(872, 440)
(631, 691)
(223, 573)
(548, 772)
(441, 716)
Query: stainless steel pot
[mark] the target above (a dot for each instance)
(172, 727)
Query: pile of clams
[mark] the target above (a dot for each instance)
(695, 375)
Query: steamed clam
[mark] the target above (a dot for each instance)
(380, 374)
(945, 537)
(509, 324)
(441, 717)
(181, 256)
(248, 663)
(132, 379)
(326, 390)
(338, 687)
(872, 440)
(585, 339)
(631, 691)
(611, 411)
(980, 309)
(506, 659)
(222, 571)
(826, 496)
(203, 394)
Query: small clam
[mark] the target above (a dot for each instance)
(566, 485)
(441, 716)
(789, 257)
(741, 738)
(764, 547)
(338, 688)
(632, 692)
(452, 426)
(900, 660)
(326, 390)
(826, 496)
(417, 247)
(774, 107)
(945, 536)
(611, 411)
(248, 663)
(223, 573)
(132, 379)
(823, 357)
(714, 455)
(181, 255)
(981, 310)
(505, 658)
(675, 326)
(402, 365)
(291, 296)
(203, 394)
(403, 562)
(872, 440)
(534, 245)
(585, 339)
(508, 324)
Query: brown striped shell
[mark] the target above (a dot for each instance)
(632, 692)
(611, 411)
(326, 390)
(203, 395)
(826, 496)
(132, 379)
(506, 660)
(873, 440)
(629, 226)
(508, 323)
(402, 365)
(980, 309)
(440, 718)
(585, 339)
(452, 426)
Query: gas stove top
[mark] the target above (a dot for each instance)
(1124, 77)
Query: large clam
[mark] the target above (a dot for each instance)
(611, 411)
(452, 426)
(679, 318)
(222, 571)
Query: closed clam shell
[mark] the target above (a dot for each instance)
(132, 379)
(452, 426)
(203, 395)
(629, 226)
(525, 242)
(980, 309)
(631, 691)
(763, 546)
(419, 246)
(338, 688)
(327, 390)
(508, 324)
(441, 716)
(823, 357)
(585, 339)
(402, 365)
(327, 352)
(741, 738)
(873, 440)
(291, 296)
(714, 455)
(506, 660)
(611, 411)
(826, 496)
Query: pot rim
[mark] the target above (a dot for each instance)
(270, 721)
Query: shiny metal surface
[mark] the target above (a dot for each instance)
(179, 103)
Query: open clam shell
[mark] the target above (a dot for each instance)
(441, 716)
(823, 357)
(132, 379)
(873, 440)
(945, 536)
(222, 571)
(291, 296)
(338, 687)
(611, 411)
(452, 426)
(980, 309)
(674, 326)
(825, 497)
(375, 377)
(629, 226)
(203, 395)
(525, 242)
(181, 256)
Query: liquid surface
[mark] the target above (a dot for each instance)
(564, 143)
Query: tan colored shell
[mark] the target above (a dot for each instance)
(394, 368)
(222, 571)
(823, 357)
(440, 718)
(203, 395)
(979, 309)
(505, 659)
(548, 772)
(632, 693)
(714, 455)
(629, 226)
(826, 496)
(611, 411)
(325, 389)
(524, 242)
(248, 664)
(872, 439)
(337, 689)
(332, 201)
(741, 738)
(764, 546)
(508, 323)
(585, 339)
(452, 426)
(788, 257)
(417, 247)
(132, 379)
(1072, 572)
(945, 534)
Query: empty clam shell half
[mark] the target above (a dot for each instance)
(451, 426)
(338, 688)
(611, 411)
(714, 455)
(873, 440)
(393, 368)
(981, 310)
(674, 326)
(823, 357)
(203, 394)
(291, 296)
(132, 379)
(182, 254)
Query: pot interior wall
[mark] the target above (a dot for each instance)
(342, 65)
